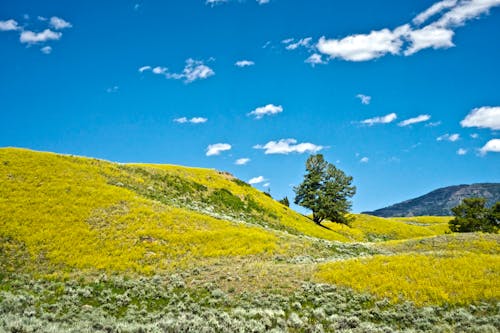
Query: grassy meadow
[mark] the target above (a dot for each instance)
(92, 246)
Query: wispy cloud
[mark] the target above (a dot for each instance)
(194, 70)
(491, 146)
(194, 120)
(59, 23)
(389, 118)
(112, 89)
(461, 151)
(303, 42)
(256, 180)
(46, 50)
(483, 117)
(267, 110)
(415, 120)
(9, 25)
(364, 98)
(217, 148)
(364, 160)
(219, 2)
(449, 137)
(244, 63)
(242, 161)
(287, 146)
(315, 59)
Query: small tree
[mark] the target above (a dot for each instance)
(284, 201)
(473, 215)
(325, 190)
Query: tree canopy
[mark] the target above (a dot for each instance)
(473, 215)
(325, 190)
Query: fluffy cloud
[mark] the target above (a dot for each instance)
(418, 119)
(483, 117)
(267, 110)
(491, 146)
(46, 50)
(217, 148)
(256, 180)
(58, 23)
(315, 59)
(363, 47)
(449, 137)
(159, 70)
(406, 39)
(9, 25)
(194, 120)
(430, 36)
(364, 99)
(31, 37)
(287, 146)
(461, 151)
(364, 160)
(242, 161)
(244, 63)
(380, 120)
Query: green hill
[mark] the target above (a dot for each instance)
(90, 245)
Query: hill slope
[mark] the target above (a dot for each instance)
(439, 202)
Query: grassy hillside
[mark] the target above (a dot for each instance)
(90, 245)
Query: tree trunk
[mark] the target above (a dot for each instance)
(317, 219)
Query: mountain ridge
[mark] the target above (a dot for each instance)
(440, 201)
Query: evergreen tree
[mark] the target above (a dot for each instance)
(473, 215)
(325, 190)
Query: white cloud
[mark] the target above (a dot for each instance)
(415, 120)
(267, 110)
(304, 42)
(262, 2)
(407, 38)
(363, 47)
(491, 146)
(364, 99)
(429, 36)
(198, 120)
(256, 180)
(194, 120)
(137, 6)
(287, 41)
(483, 117)
(144, 68)
(380, 120)
(244, 63)
(466, 10)
(364, 160)
(31, 37)
(194, 70)
(9, 25)
(214, 2)
(159, 70)
(41, 18)
(266, 185)
(287, 146)
(46, 50)
(449, 137)
(315, 59)
(217, 148)
(474, 135)
(242, 161)
(461, 151)
(58, 23)
(436, 8)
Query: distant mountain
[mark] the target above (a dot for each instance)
(439, 202)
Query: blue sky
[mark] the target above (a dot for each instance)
(402, 95)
